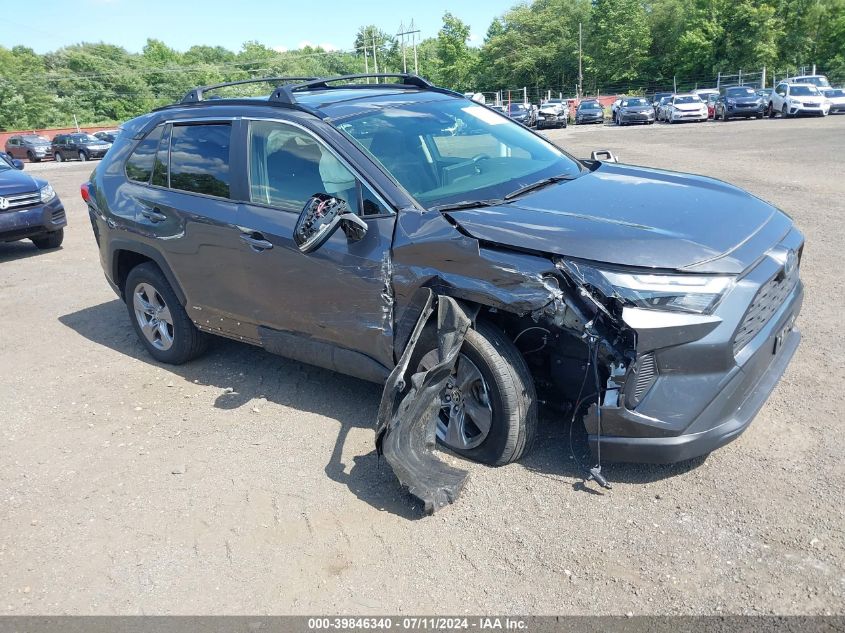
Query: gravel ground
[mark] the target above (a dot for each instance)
(247, 483)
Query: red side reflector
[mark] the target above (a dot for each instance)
(83, 189)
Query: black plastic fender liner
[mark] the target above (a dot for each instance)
(407, 416)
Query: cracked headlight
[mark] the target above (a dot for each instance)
(698, 294)
(47, 193)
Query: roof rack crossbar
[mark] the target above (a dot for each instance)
(197, 93)
(285, 94)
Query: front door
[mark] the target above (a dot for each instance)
(340, 294)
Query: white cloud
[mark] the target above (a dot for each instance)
(324, 46)
(280, 49)
(329, 47)
(306, 44)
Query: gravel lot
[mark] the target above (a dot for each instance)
(247, 483)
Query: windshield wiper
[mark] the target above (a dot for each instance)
(540, 184)
(467, 204)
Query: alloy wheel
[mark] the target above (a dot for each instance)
(153, 316)
(466, 413)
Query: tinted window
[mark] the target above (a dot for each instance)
(287, 166)
(740, 92)
(199, 159)
(162, 158)
(139, 166)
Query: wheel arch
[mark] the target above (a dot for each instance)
(127, 255)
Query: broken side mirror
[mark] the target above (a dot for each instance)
(604, 155)
(320, 218)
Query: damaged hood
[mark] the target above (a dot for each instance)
(635, 216)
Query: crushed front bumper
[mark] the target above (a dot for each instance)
(704, 392)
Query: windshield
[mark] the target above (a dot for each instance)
(804, 91)
(633, 103)
(834, 92)
(517, 107)
(449, 151)
(590, 105)
(688, 99)
(819, 80)
(86, 138)
(740, 92)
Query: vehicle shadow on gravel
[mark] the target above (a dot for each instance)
(565, 455)
(11, 251)
(246, 375)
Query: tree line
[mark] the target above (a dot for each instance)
(624, 44)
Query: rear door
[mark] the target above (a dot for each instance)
(186, 211)
(339, 294)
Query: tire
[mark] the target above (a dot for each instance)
(509, 390)
(181, 340)
(771, 110)
(31, 158)
(83, 156)
(784, 112)
(725, 117)
(51, 240)
(58, 157)
(758, 116)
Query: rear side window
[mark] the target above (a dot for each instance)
(139, 166)
(199, 159)
(160, 166)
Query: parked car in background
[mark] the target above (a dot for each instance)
(836, 98)
(499, 108)
(634, 110)
(738, 101)
(711, 105)
(662, 113)
(614, 107)
(29, 208)
(33, 147)
(107, 135)
(688, 107)
(819, 81)
(553, 113)
(78, 145)
(589, 111)
(703, 93)
(796, 100)
(522, 113)
(658, 97)
(764, 94)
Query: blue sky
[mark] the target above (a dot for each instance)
(46, 25)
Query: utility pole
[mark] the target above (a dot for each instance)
(375, 57)
(402, 33)
(367, 62)
(580, 73)
(414, 40)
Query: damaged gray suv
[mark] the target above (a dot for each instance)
(403, 234)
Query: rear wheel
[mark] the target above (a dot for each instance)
(58, 157)
(51, 240)
(159, 319)
(489, 408)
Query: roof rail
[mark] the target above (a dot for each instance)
(197, 93)
(285, 94)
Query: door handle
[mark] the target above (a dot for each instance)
(154, 214)
(256, 241)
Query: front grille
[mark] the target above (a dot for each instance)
(812, 105)
(766, 302)
(19, 200)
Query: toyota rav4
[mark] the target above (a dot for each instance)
(328, 221)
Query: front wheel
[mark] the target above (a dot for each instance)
(784, 111)
(51, 240)
(83, 156)
(159, 319)
(58, 157)
(488, 410)
(771, 110)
